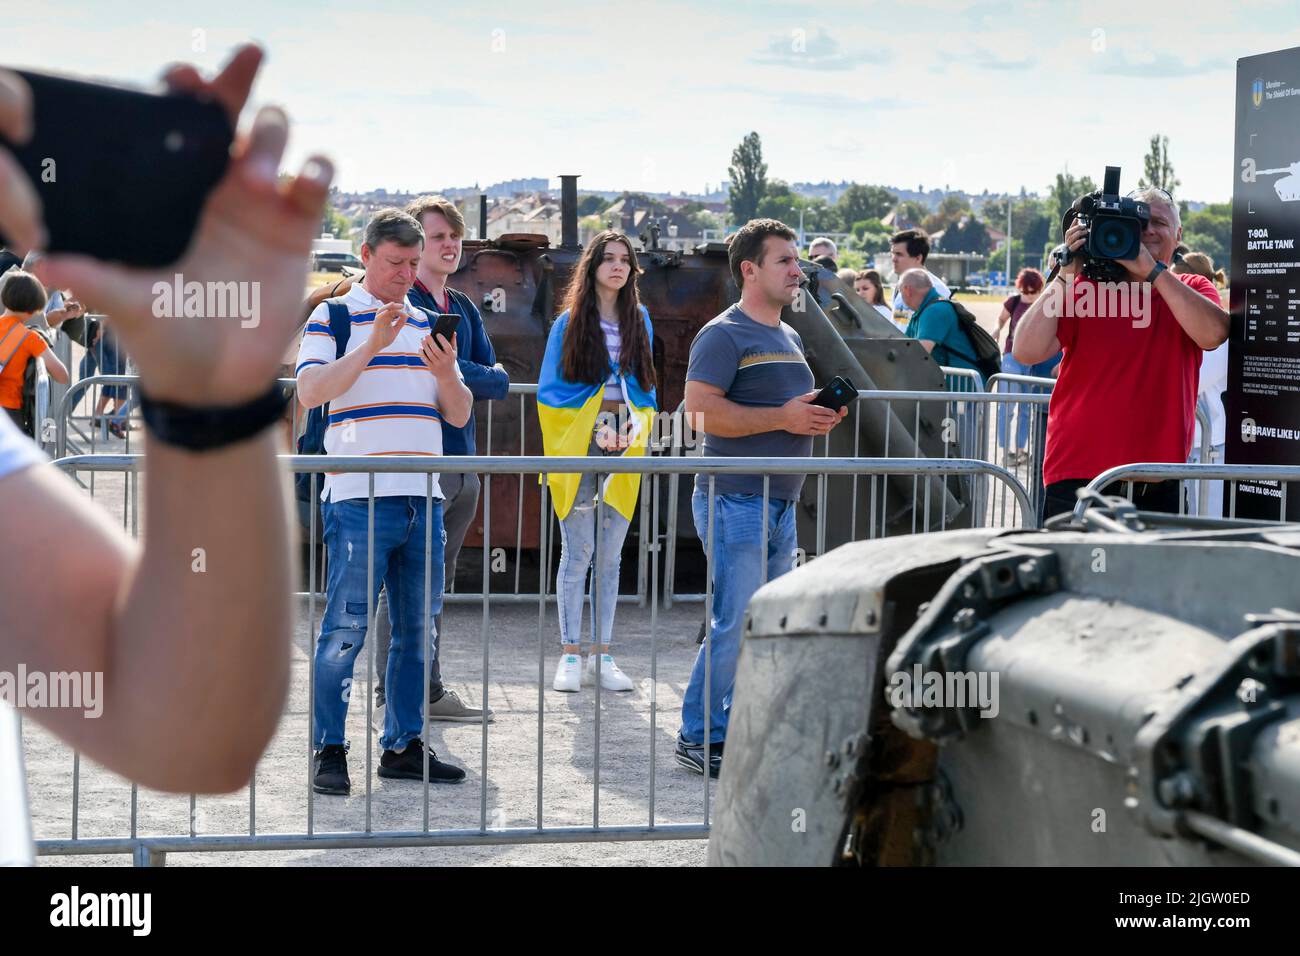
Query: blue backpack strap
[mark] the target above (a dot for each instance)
(340, 325)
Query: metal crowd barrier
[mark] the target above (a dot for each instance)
(1280, 475)
(153, 849)
(1011, 502)
(41, 406)
(70, 439)
(961, 379)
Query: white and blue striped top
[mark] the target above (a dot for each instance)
(613, 342)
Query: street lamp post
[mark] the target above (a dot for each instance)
(802, 238)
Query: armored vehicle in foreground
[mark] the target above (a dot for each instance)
(1088, 695)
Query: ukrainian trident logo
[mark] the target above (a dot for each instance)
(1257, 93)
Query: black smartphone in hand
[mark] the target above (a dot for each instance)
(122, 174)
(838, 393)
(445, 325)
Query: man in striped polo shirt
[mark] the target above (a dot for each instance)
(389, 394)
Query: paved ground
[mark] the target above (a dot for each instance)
(510, 781)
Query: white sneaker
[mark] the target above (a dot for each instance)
(611, 678)
(568, 675)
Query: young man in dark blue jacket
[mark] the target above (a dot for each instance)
(444, 230)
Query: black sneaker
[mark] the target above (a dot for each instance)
(408, 765)
(332, 771)
(691, 756)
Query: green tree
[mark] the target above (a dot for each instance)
(1063, 193)
(748, 175)
(912, 212)
(775, 203)
(334, 222)
(950, 210)
(967, 235)
(1159, 170)
(591, 205)
(863, 202)
(1029, 217)
(1209, 230)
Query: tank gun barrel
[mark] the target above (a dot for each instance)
(1293, 169)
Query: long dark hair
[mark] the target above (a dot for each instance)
(584, 357)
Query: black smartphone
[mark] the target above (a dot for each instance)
(445, 325)
(838, 393)
(122, 174)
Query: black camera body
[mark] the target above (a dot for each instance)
(1114, 225)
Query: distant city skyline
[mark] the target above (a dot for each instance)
(1006, 96)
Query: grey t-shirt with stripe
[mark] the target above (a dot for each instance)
(754, 364)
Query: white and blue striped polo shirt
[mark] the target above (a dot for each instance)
(392, 407)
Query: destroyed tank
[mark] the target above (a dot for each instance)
(1123, 690)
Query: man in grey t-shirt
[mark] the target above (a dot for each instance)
(749, 388)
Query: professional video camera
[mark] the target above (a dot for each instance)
(1114, 226)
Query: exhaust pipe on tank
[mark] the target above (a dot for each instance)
(482, 216)
(569, 213)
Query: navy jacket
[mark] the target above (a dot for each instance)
(476, 358)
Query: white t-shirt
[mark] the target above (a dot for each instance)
(391, 409)
(1214, 382)
(16, 452)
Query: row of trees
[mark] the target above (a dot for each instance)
(858, 210)
(1035, 222)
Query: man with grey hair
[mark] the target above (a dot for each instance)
(822, 249)
(1127, 385)
(934, 321)
(390, 387)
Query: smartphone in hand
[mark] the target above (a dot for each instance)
(838, 393)
(122, 174)
(445, 325)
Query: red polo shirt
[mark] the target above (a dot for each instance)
(1127, 389)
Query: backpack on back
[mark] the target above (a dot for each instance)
(312, 439)
(987, 357)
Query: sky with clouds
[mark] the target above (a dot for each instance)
(994, 95)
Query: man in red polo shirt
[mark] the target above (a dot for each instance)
(1126, 391)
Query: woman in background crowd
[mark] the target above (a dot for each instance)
(1029, 285)
(866, 283)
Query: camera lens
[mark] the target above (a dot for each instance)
(1112, 238)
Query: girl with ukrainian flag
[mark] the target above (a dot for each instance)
(596, 396)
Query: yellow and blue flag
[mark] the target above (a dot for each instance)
(567, 413)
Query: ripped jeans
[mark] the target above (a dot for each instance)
(399, 566)
(577, 546)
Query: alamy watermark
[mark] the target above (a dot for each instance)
(208, 300)
(64, 690)
(667, 429)
(1095, 300)
(956, 689)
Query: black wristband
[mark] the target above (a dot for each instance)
(1155, 272)
(203, 428)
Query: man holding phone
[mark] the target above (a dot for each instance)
(750, 390)
(203, 656)
(383, 401)
(444, 229)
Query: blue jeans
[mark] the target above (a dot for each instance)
(399, 566)
(737, 573)
(577, 550)
(1020, 410)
